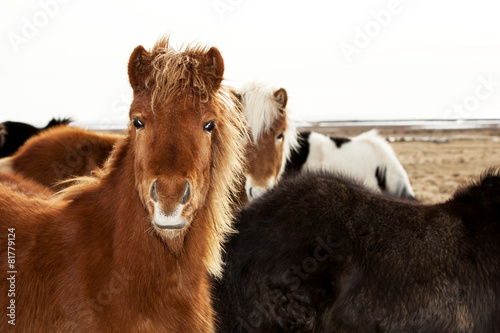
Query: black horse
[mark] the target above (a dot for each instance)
(14, 134)
(320, 254)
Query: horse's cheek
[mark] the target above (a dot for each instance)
(140, 165)
(250, 157)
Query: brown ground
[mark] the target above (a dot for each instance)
(437, 168)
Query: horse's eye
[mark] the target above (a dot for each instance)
(280, 136)
(208, 127)
(138, 124)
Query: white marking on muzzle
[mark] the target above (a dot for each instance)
(172, 221)
(254, 192)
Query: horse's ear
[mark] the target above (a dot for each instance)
(216, 67)
(139, 67)
(281, 97)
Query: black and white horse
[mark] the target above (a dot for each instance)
(367, 157)
(14, 134)
(319, 254)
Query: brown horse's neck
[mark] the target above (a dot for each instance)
(155, 266)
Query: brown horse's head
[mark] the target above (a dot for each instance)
(184, 130)
(273, 136)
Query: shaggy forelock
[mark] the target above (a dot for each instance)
(175, 71)
(260, 107)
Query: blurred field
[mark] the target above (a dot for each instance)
(439, 161)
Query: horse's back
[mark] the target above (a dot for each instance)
(346, 260)
(62, 152)
(290, 244)
(368, 157)
(395, 179)
(352, 158)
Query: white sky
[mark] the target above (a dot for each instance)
(428, 60)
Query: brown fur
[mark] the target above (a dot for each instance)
(62, 152)
(272, 136)
(264, 158)
(24, 186)
(319, 253)
(90, 259)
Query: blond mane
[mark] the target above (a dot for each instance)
(227, 173)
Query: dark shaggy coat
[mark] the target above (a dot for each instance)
(318, 254)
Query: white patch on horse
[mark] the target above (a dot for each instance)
(397, 181)
(254, 192)
(172, 221)
(359, 159)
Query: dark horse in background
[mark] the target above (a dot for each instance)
(13, 134)
(320, 254)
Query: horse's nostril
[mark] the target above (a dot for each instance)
(154, 194)
(185, 197)
(250, 192)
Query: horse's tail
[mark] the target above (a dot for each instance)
(3, 133)
(57, 122)
(390, 174)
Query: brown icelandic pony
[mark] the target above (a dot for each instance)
(273, 136)
(132, 248)
(59, 153)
